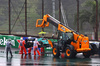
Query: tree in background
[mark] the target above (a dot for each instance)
(88, 15)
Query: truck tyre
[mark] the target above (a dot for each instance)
(87, 54)
(69, 52)
(56, 52)
(94, 49)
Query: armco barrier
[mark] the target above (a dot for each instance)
(4, 38)
(14, 40)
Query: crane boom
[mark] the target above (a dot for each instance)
(49, 19)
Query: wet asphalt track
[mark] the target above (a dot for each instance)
(47, 60)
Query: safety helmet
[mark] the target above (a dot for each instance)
(9, 39)
(21, 39)
(36, 39)
(60, 37)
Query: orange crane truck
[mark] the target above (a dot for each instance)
(69, 41)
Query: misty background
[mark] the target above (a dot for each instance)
(34, 12)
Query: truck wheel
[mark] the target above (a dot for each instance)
(87, 54)
(94, 49)
(69, 53)
(56, 52)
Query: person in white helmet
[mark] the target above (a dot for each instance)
(8, 47)
(35, 47)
